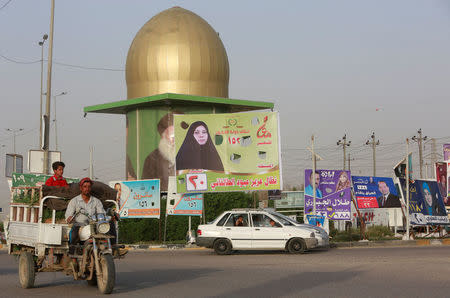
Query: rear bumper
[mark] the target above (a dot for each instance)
(205, 241)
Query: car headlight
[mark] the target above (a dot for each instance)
(312, 235)
(103, 227)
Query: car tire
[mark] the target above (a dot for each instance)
(296, 246)
(222, 246)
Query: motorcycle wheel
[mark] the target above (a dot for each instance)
(106, 280)
(27, 271)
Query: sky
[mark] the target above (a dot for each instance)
(331, 68)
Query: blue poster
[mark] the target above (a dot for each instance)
(375, 192)
(138, 198)
(186, 204)
(426, 206)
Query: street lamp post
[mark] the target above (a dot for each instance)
(41, 44)
(54, 105)
(14, 131)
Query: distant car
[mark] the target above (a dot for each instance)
(257, 229)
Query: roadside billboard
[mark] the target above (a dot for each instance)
(426, 206)
(446, 149)
(375, 192)
(227, 152)
(333, 193)
(190, 204)
(291, 199)
(442, 178)
(138, 198)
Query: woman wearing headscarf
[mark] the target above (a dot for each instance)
(198, 150)
(343, 182)
(432, 206)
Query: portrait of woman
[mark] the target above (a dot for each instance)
(343, 182)
(432, 206)
(198, 150)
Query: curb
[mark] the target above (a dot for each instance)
(144, 247)
(392, 243)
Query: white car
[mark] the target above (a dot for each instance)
(257, 229)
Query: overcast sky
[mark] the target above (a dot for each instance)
(331, 67)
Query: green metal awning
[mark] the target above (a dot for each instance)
(123, 106)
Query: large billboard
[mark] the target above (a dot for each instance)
(446, 149)
(442, 178)
(227, 152)
(333, 193)
(138, 198)
(375, 192)
(426, 206)
(150, 141)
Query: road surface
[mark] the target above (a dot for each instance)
(356, 272)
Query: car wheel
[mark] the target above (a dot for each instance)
(296, 246)
(222, 247)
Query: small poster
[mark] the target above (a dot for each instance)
(138, 198)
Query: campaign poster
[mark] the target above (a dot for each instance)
(190, 204)
(446, 148)
(426, 206)
(34, 180)
(333, 193)
(227, 152)
(375, 192)
(138, 198)
(441, 178)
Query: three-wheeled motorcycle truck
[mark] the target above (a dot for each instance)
(39, 236)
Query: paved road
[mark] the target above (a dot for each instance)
(356, 272)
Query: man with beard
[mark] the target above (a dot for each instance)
(160, 163)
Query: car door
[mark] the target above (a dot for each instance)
(238, 230)
(267, 232)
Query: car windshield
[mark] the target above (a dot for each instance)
(281, 219)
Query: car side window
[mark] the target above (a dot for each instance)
(262, 220)
(237, 220)
(258, 220)
(223, 219)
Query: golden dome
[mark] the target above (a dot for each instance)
(177, 51)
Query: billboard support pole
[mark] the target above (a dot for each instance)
(407, 190)
(313, 175)
(361, 219)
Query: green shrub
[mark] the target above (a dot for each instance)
(1, 226)
(378, 232)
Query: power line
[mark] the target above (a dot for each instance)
(62, 64)
(6, 4)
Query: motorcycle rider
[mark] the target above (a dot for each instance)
(80, 208)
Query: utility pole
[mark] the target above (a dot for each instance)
(91, 162)
(14, 131)
(349, 159)
(344, 144)
(49, 87)
(41, 44)
(433, 156)
(419, 141)
(314, 164)
(374, 144)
